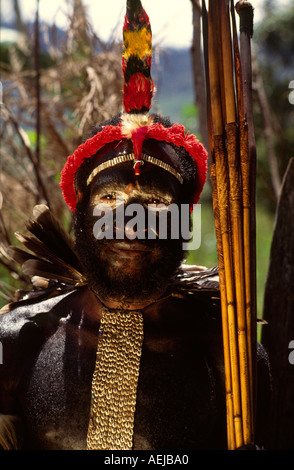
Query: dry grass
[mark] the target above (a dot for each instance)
(80, 84)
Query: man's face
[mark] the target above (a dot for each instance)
(127, 257)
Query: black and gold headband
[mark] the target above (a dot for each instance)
(131, 157)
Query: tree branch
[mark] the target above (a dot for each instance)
(268, 131)
(23, 137)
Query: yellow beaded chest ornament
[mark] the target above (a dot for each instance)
(115, 380)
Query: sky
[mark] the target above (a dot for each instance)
(170, 19)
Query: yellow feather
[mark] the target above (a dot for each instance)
(137, 43)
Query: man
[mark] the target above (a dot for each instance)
(123, 349)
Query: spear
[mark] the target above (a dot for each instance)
(225, 110)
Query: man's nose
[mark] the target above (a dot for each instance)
(133, 223)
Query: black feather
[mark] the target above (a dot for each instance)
(195, 278)
(48, 231)
(51, 254)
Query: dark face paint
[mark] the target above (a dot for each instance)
(122, 267)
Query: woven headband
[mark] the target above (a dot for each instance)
(131, 157)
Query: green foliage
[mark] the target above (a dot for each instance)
(275, 38)
(9, 284)
(206, 254)
(264, 230)
(190, 117)
(274, 45)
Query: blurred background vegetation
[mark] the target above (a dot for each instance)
(57, 84)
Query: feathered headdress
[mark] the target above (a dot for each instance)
(136, 123)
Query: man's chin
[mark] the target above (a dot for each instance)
(129, 270)
(129, 259)
(132, 278)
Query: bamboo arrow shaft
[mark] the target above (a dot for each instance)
(226, 335)
(223, 202)
(231, 180)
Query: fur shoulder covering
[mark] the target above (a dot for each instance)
(196, 282)
(192, 278)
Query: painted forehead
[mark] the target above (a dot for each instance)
(151, 179)
(151, 175)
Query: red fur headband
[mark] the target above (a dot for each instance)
(175, 135)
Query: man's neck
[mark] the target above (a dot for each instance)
(128, 304)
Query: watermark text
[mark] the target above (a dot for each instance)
(291, 94)
(291, 355)
(156, 221)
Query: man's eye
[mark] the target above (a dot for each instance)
(157, 201)
(154, 201)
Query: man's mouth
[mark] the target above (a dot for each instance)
(129, 249)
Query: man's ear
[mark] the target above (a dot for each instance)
(79, 195)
